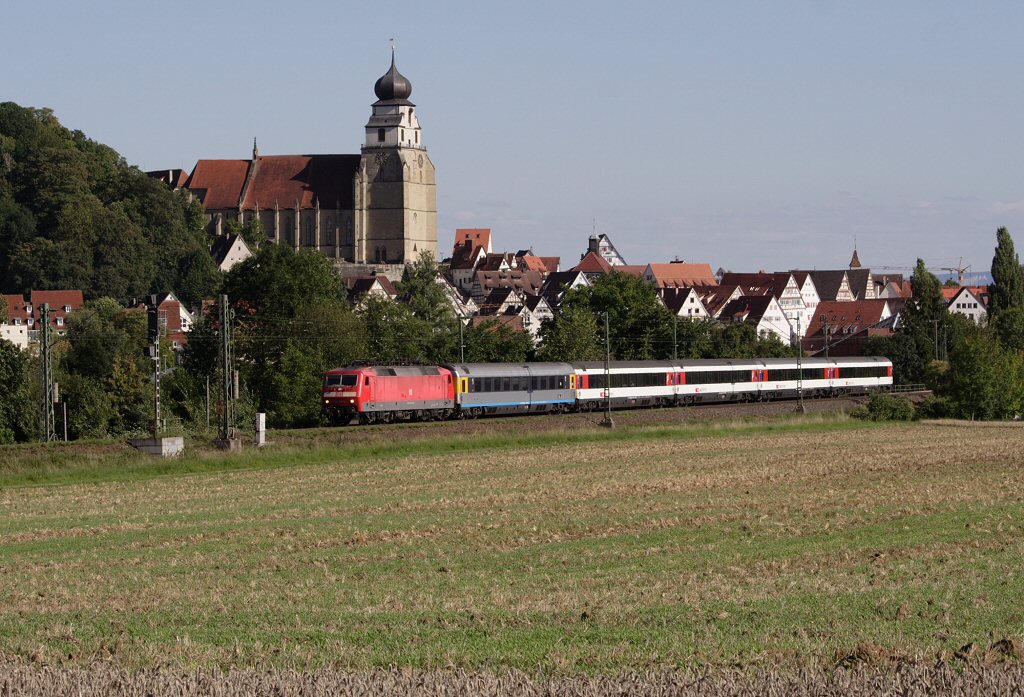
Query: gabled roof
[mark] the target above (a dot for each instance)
(466, 256)
(496, 262)
(680, 275)
(760, 283)
(285, 181)
(304, 181)
(715, 297)
(859, 279)
(498, 297)
(218, 183)
(478, 236)
(675, 298)
(533, 302)
(526, 281)
(360, 285)
(593, 263)
(631, 269)
(223, 245)
(950, 293)
(512, 321)
(747, 308)
(844, 317)
(57, 298)
(174, 178)
(545, 265)
(828, 283)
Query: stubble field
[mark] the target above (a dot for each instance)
(666, 549)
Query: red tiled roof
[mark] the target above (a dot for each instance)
(683, 275)
(286, 181)
(513, 321)
(303, 180)
(839, 315)
(631, 269)
(542, 264)
(479, 236)
(218, 183)
(593, 263)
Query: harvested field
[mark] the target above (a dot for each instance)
(786, 548)
(910, 681)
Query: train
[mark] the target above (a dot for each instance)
(388, 393)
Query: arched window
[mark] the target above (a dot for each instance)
(310, 232)
(332, 230)
(288, 231)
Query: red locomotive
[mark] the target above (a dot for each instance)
(382, 394)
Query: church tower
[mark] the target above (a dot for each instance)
(395, 191)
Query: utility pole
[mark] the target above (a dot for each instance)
(675, 341)
(48, 431)
(935, 331)
(799, 368)
(826, 339)
(462, 343)
(607, 423)
(227, 363)
(153, 325)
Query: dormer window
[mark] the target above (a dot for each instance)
(67, 308)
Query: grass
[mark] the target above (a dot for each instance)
(786, 543)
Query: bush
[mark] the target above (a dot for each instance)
(885, 407)
(936, 408)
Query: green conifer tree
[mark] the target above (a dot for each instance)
(1007, 289)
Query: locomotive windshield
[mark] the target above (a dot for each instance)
(347, 380)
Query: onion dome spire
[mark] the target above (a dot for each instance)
(393, 85)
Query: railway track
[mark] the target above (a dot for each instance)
(538, 423)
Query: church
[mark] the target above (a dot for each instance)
(377, 209)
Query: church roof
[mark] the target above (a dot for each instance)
(393, 86)
(218, 183)
(290, 180)
(281, 180)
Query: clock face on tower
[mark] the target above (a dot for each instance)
(382, 159)
(420, 160)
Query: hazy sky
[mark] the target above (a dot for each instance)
(750, 135)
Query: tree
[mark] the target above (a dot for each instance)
(74, 214)
(491, 342)
(926, 323)
(292, 323)
(639, 325)
(1007, 289)
(571, 336)
(1008, 326)
(986, 381)
(16, 407)
(909, 365)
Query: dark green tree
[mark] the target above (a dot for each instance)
(572, 335)
(1007, 289)
(493, 342)
(16, 404)
(292, 323)
(987, 382)
(1008, 326)
(909, 364)
(639, 325)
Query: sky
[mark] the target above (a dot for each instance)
(748, 135)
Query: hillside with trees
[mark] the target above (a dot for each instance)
(75, 215)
